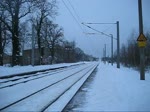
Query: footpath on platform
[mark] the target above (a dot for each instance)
(113, 89)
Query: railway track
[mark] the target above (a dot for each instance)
(24, 79)
(42, 97)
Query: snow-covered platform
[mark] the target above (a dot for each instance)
(113, 89)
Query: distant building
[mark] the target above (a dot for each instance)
(27, 56)
(7, 58)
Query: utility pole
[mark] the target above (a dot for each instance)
(142, 56)
(118, 38)
(118, 46)
(32, 45)
(111, 49)
(105, 53)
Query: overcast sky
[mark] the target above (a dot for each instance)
(100, 11)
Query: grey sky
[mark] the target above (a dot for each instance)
(103, 11)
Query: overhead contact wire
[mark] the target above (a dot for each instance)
(72, 15)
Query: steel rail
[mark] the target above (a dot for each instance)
(15, 102)
(48, 105)
(10, 85)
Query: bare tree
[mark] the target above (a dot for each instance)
(25, 38)
(44, 9)
(2, 40)
(1, 43)
(130, 53)
(14, 10)
(54, 38)
(4, 36)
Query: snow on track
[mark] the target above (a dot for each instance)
(42, 98)
(10, 71)
(23, 79)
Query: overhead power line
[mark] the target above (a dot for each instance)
(74, 9)
(98, 31)
(72, 15)
(77, 15)
(103, 24)
(100, 23)
(108, 28)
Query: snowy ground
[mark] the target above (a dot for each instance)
(115, 89)
(4, 71)
(39, 91)
(112, 89)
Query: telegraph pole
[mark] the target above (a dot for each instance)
(142, 56)
(111, 49)
(140, 16)
(105, 53)
(118, 46)
(118, 38)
